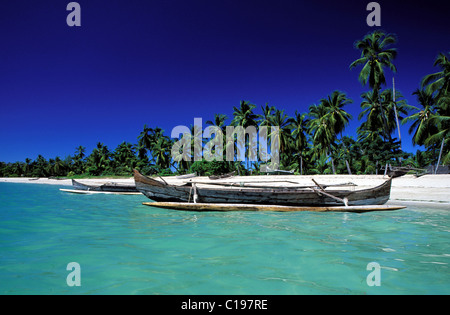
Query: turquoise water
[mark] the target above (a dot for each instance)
(124, 247)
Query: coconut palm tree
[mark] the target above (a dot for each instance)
(282, 121)
(338, 117)
(99, 160)
(394, 108)
(299, 125)
(124, 157)
(245, 117)
(375, 57)
(439, 82)
(78, 159)
(327, 120)
(265, 118)
(80, 152)
(145, 140)
(162, 152)
(422, 126)
(373, 112)
(320, 129)
(219, 121)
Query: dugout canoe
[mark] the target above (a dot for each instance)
(184, 206)
(107, 187)
(316, 195)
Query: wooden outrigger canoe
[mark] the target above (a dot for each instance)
(305, 196)
(108, 187)
(184, 206)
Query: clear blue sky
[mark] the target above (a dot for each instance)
(164, 62)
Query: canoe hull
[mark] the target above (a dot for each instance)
(110, 187)
(162, 192)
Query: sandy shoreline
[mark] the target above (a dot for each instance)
(408, 188)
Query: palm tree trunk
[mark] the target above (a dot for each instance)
(348, 168)
(440, 155)
(396, 116)
(301, 165)
(332, 162)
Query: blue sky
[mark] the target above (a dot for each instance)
(164, 62)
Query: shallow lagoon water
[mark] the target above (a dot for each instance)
(124, 247)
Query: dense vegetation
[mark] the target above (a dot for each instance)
(310, 143)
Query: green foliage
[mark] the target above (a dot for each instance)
(208, 168)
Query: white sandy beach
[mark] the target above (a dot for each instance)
(405, 189)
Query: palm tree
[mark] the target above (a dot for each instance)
(162, 152)
(144, 142)
(319, 128)
(80, 152)
(124, 158)
(219, 121)
(282, 121)
(375, 57)
(422, 126)
(245, 117)
(58, 167)
(373, 112)
(338, 117)
(27, 167)
(442, 136)
(265, 118)
(78, 159)
(99, 160)
(394, 108)
(327, 120)
(299, 125)
(439, 82)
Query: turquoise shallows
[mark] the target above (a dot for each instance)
(123, 247)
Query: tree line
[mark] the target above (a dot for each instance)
(310, 142)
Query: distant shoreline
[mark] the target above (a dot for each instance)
(427, 189)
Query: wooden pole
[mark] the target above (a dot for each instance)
(322, 191)
(195, 193)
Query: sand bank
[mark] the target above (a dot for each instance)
(408, 188)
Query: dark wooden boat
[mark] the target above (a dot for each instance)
(314, 195)
(398, 171)
(108, 187)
